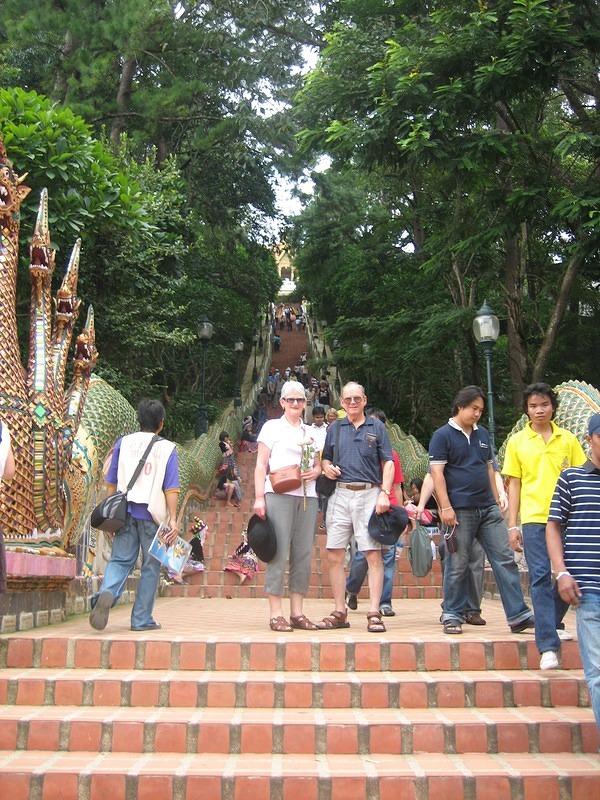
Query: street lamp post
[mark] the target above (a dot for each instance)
(254, 369)
(238, 348)
(205, 332)
(486, 330)
(333, 365)
(336, 346)
(366, 348)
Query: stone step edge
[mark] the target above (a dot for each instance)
(246, 776)
(289, 736)
(277, 652)
(200, 689)
(320, 733)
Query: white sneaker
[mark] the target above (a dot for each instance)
(549, 660)
(564, 635)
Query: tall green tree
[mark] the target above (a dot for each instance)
(196, 79)
(190, 97)
(487, 118)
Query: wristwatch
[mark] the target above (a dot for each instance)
(561, 574)
(386, 491)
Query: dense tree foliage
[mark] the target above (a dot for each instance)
(464, 142)
(473, 130)
(151, 266)
(169, 178)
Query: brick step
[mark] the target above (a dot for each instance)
(295, 650)
(231, 588)
(296, 688)
(214, 568)
(215, 571)
(234, 514)
(319, 731)
(26, 775)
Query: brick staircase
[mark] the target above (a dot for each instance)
(215, 706)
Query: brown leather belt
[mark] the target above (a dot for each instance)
(358, 487)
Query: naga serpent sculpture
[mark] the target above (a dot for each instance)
(61, 438)
(41, 415)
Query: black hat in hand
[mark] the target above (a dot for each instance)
(261, 538)
(386, 528)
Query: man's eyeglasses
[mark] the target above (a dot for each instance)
(294, 400)
(352, 400)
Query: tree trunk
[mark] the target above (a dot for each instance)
(123, 97)
(59, 92)
(162, 151)
(514, 271)
(557, 315)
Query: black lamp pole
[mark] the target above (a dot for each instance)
(239, 349)
(366, 348)
(254, 369)
(486, 330)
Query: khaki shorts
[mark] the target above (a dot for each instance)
(348, 514)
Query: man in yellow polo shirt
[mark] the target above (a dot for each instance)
(534, 458)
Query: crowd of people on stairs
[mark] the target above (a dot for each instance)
(311, 459)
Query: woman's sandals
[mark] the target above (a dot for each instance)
(280, 625)
(302, 623)
(375, 623)
(337, 619)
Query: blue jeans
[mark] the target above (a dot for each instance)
(486, 525)
(135, 534)
(358, 573)
(474, 593)
(548, 607)
(588, 638)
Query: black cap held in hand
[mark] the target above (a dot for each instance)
(261, 538)
(386, 528)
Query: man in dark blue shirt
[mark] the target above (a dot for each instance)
(462, 468)
(358, 455)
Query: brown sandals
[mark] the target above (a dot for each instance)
(302, 623)
(337, 619)
(280, 625)
(375, 623)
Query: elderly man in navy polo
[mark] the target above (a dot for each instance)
(358, 455)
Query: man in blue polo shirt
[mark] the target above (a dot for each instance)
(462, 469)
(360, 460)
(575, 511)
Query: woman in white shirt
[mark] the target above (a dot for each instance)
(281, 443)
(7, 470)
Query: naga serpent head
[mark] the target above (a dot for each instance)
(86, 354)
(41, 264)
(67, 303)
(12, 190)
